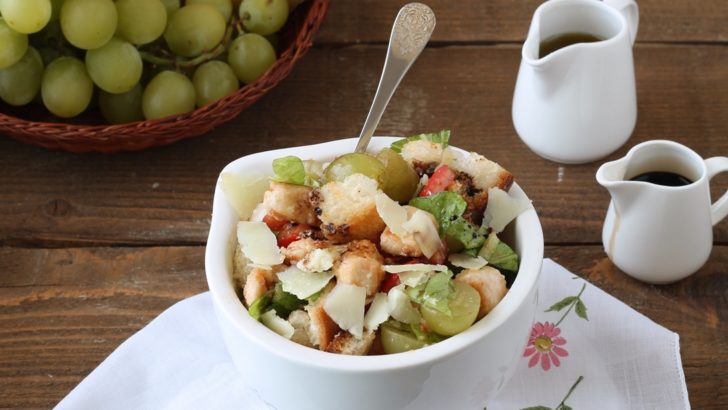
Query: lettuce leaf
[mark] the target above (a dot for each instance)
(499, 254)
(442, 137)
(448, 208)
(260, 305)
(435, 293)
(283, 302)
(293, 170)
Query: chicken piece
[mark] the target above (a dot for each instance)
(298, 250)
(322, 328)
(347, 209)
(301, 323)
(255, 286)
(405, 245)
(290, 202)
(490, 284)
(361, 265)
(346, 343)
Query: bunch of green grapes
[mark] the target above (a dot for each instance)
(147, 59)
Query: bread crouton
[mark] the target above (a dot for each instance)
(255, 286)
(405, 245)
(347, 209)
(241, 268)
(422, 155)
(490, 284)
(301, 323)
(298, 250)
(322, 328)
(290, 202)
(346, 343)
(361, 265)
(485, 173)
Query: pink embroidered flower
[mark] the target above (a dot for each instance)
(544, 345)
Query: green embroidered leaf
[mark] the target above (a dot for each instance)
(537, 408)
(561, 304)
(580, 309)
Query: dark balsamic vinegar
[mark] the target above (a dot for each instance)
(662, 178)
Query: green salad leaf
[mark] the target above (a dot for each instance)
(283, 302)
(499, 254)
(435, 293)
(448, 208)
(441, 137)
(260, 305)
(293, 170)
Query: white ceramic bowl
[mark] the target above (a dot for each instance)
(462, 372)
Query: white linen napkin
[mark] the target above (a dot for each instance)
(587, 350)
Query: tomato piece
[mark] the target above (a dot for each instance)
(291, 233)
(439, 181)
(274, 222)
(390, 281)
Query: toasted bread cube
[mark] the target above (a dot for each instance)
(301, 323)
(290, 202)
(490, 284)
(346, 343)
(361, 265)
(348, 211)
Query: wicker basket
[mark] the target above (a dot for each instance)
(295, 39)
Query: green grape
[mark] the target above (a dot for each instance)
(354, 163)
(88, 24)
(66, 88)
(263, 16)
(194, 29)
(398, 341)
(464, 307)
(19, 83)
(14, 45)
(224, 6)
(250, 55)
(168, 93)
(122, 108)
(171, 6)
(400, 180)
(26, 16)
(213, 81)
(141, 21)
(115, 67)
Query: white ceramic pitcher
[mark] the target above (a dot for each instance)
(578, 104)
(656, 233)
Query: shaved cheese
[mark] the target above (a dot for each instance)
(400, 306)
(393, 214)
(450, 157)
(414, 278)
(466, 261)
(424, 232)
(259, 244)
(414, 267)
(303, 284)
(277, 324)
(345, 306)
(259, 213)
(244, 192)
(378, 312)
(502, 209)
(318, 260)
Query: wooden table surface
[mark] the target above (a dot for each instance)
(95, 246)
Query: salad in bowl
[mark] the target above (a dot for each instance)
(374, 253)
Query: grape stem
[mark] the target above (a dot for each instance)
(179, 62)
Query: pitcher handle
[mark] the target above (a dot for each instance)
(719, 209)
(631, 13)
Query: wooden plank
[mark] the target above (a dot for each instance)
(163, 195)
(62, 311)
(507, 20)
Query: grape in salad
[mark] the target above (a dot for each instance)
(374, 253)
